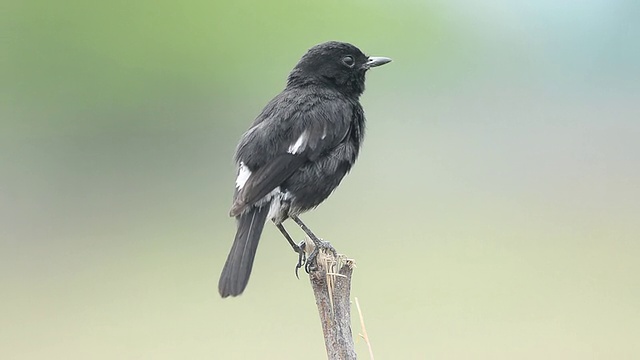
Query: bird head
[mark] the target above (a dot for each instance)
(335, 64)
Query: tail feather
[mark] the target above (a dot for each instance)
(237, 269)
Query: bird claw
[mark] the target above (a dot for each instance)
(302, 257)
(311, 259)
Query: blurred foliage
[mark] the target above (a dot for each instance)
(99, 55)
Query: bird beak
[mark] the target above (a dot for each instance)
(376, 61)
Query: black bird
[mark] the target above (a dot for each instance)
(296, 152)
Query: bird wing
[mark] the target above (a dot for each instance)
(275, 147)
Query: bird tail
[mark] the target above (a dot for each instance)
(237, 269)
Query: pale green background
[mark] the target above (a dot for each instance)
(494, 212)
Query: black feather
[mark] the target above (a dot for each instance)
(303, 143)
(265, 179)
(237, 269)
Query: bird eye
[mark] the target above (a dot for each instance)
(348, 60)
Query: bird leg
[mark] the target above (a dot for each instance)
(316, 241)
(297, 248)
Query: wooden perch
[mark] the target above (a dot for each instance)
(331, 283)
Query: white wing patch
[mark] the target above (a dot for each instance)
(299, 145)
(243, 175)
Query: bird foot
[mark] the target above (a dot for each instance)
(302, 256)
(311, 259)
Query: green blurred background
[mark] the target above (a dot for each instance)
(494, 212)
